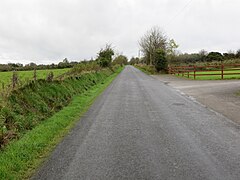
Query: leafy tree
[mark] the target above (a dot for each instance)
(65, 60)
(229, 55)
(188, 58)
(171, 47)
(160, 60)
(121, 59)
(150, 42)
(134, 60)
(238, 54)
(214, 56)
(64, 64)
(104, 58)
(171, 50)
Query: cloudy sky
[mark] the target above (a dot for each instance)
(46, 31)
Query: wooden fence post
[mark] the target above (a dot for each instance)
(194, 72)
(222, 68)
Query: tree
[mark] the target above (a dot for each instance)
(238, 54)
(229, 55)
(65, 60)
(202, 55)
(134, 60)
(214, 56)
(171, 50)
(64, 64)
(121, 59)
(160, 60)
(153, 39)
(104, 58)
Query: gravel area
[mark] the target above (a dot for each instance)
(219, 95)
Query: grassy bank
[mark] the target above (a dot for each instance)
(150, 70)
(21, 157)
(31, 104)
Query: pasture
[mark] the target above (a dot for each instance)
(24, 76)
(204, 76)
(212, 72)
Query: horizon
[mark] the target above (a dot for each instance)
(39, 31)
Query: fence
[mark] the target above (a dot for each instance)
(213, 70)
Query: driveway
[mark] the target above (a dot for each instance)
(219, 95)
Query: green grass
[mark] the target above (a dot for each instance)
(150, 70)
(20, 158)
(214, 77)
(5, 77)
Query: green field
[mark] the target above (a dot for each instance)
(5, 77)
(213, 77)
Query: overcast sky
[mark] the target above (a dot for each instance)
(47, 31)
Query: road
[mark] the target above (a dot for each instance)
(139, 128)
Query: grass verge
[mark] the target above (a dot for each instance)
(150, 70)
(20, 159)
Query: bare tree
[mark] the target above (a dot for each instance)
(151, 41)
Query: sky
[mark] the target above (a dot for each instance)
(47, 31)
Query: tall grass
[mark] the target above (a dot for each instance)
(148, 69)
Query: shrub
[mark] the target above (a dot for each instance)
(160, 60)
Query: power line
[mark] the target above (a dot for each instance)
(179, 12)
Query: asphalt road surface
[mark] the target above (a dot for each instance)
(139, 128)
(220, 95)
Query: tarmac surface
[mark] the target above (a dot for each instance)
(220, 95)
(141, 128)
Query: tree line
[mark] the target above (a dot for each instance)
(105, 58)
(31, 66)
(204, 56)
(159, 51)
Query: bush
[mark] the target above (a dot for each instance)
(105, 56)
(160, 60)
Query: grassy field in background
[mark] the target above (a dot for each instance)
(213, 77)
(5, 77)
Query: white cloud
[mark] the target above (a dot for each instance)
(46, 31)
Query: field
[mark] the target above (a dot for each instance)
(5, 77)
(201, 76)
(211, 72)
